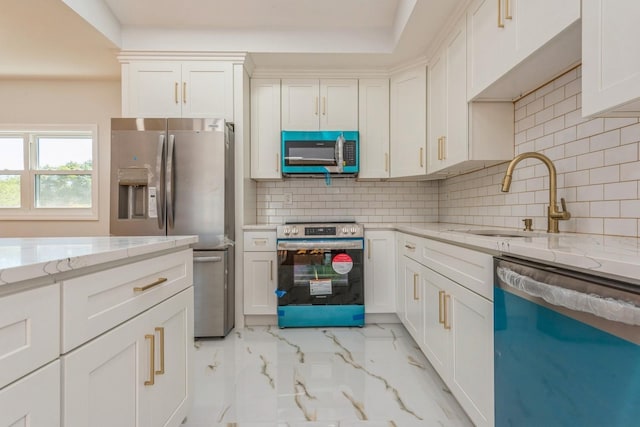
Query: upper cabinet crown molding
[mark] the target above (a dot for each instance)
(126, 56)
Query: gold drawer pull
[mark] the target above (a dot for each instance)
(150, 285)
(447, 300)
(415, 287)
(410, 247)
(152, 364)
(161, 370)
(440, 298)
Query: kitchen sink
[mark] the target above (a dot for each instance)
(502, 233)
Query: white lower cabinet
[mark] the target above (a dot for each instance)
(34, 400)
(260, 272)
(134, 375)
(379, 272)
(452, 324)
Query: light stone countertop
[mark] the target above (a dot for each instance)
(604, 255)
(37, 257)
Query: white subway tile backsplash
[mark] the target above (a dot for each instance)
(597, 162)
(591, 127)
(605, 140)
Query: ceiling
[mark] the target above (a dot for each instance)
(69, 38)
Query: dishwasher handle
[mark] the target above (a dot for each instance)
(608, 308)
(207, 259)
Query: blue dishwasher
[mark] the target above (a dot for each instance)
(567, 347)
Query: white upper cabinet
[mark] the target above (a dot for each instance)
(311, 104)
(408, 125)
(373, 114)
(265, 129)
(610, 57)
(196, 89)
(463, 136)
(516, 45)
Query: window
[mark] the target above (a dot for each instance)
(48, 172)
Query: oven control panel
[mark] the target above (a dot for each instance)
(320, 231)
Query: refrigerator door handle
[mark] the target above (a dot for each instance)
(169, 181)
(160, 181)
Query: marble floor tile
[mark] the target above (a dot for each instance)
(318, 377)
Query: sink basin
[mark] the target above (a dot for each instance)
(503, 233)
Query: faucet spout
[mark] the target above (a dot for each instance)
(553, 213)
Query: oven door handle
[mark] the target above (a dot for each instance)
(321, 244)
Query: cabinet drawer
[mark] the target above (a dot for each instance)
(34, 400)
(259, 241)
(29, 331)
(96, 302)
(411, 246)
(471, 269)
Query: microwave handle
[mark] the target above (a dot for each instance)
(340, 153)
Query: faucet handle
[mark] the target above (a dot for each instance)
(564, 212)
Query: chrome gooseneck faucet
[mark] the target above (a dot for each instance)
(553, 214)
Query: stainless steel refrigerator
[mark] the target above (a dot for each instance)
(175, 177)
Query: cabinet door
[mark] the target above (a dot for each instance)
(300, 104)
(102, 379)
(409, 123)
(373, 113)
(33, 400)
(379, 272)
(610, 56)
(265, 129)
(437, 110)
(455, 145)
(153, 89)
(207, 90)
(491, 46)
(338, 104)
(538, 21)
(413, 319)
(471, 320)
(401, 262)
(437, 339)
(171, 322)
(260, 278)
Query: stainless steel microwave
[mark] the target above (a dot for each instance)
(320, 152)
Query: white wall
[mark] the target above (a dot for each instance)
(64, 102)
(597, 161)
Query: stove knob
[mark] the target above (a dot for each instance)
(344, 230)
(353, 230)
(286, 231)
(295, 230)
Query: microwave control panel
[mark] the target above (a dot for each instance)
(349, 153)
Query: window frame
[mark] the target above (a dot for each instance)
(28, 175)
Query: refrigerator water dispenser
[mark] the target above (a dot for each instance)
(135, 199)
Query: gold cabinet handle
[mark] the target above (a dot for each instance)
(447, 301)
(410, 247)
(500, 22)
(271, 270)
(150, 285)
(184, 92)
(368, 248)
(152, 363)
(175, 92)
(324, 105)
(439, 148)
(440, 298)
(415, 287)
(421, 159)
(161, 331)
(316, 105)
(277, 162)
(507, 12)
(386, 162)
(444, 147)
